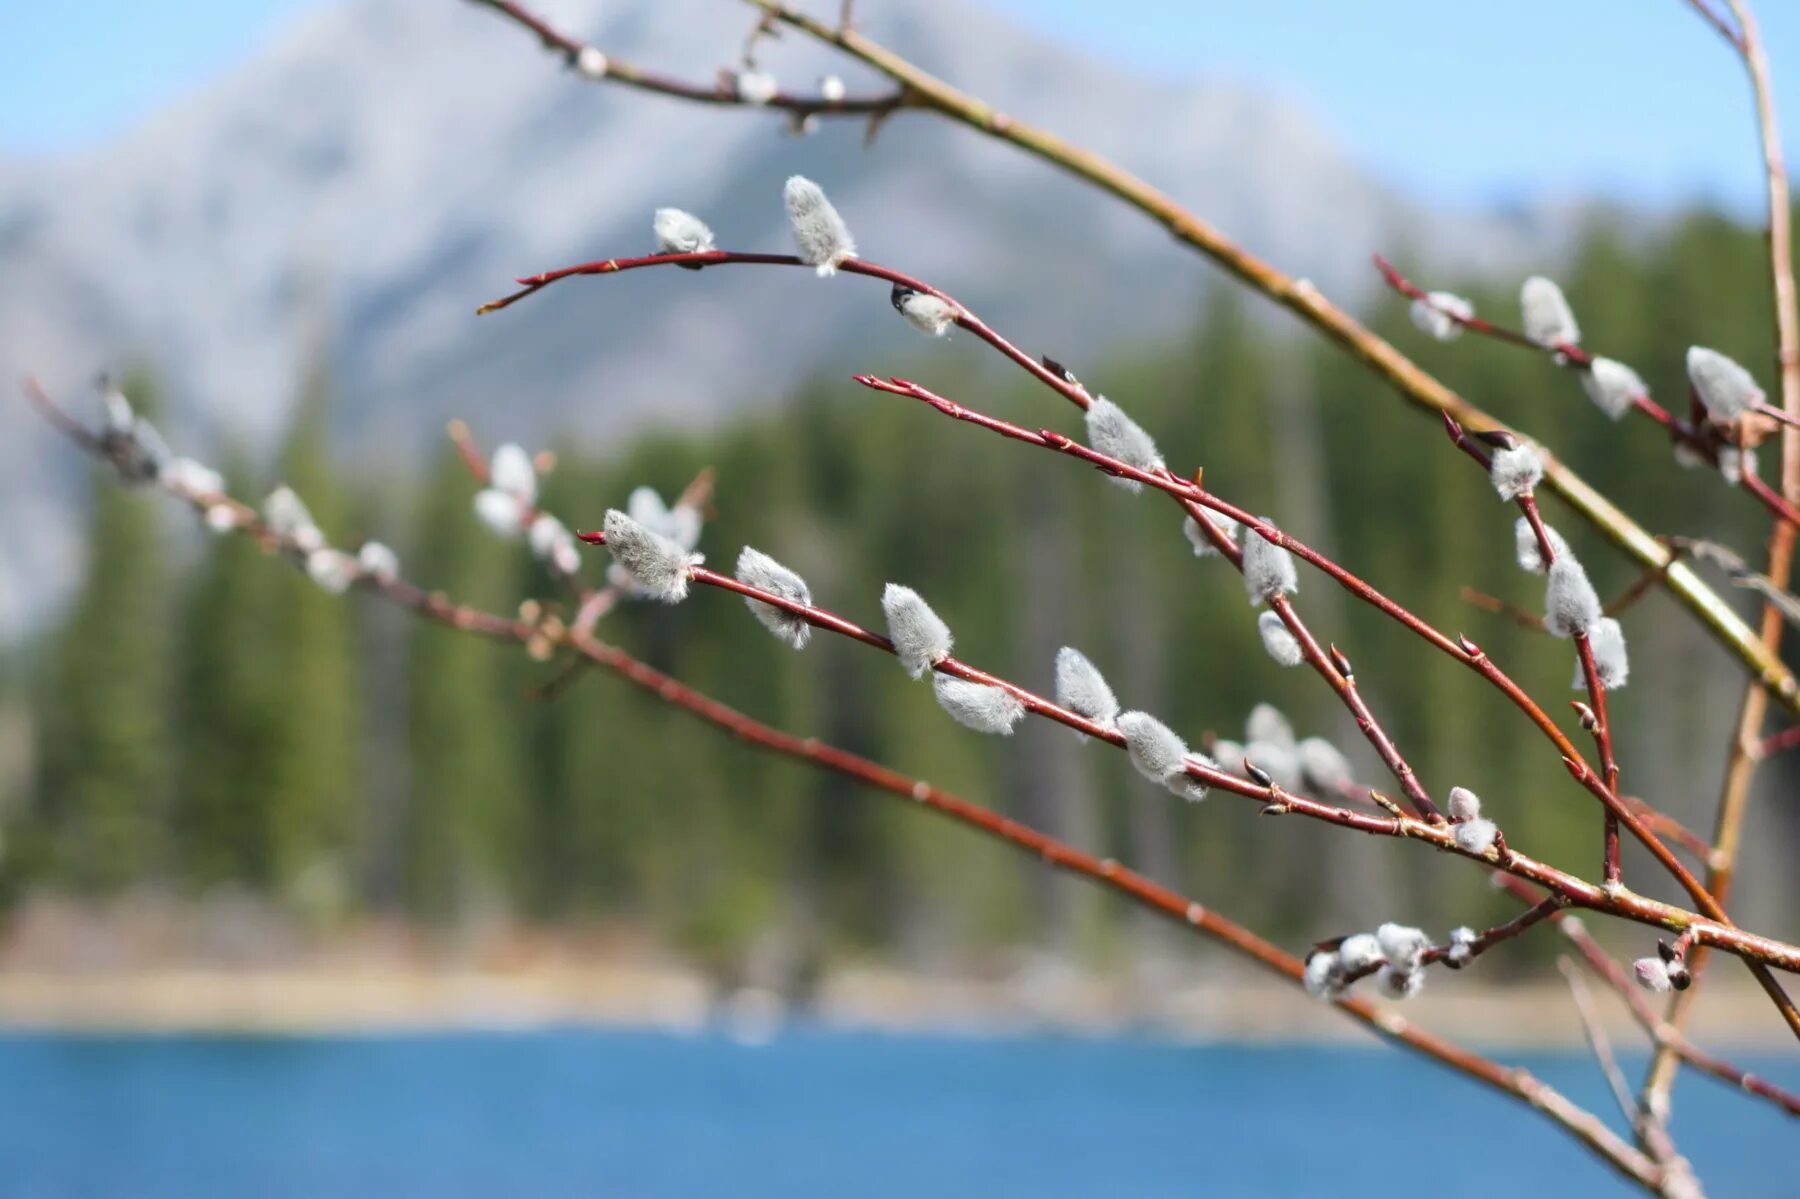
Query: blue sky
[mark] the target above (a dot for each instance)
(1458, 100)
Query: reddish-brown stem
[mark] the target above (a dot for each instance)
(1660, 1031)
(1573, 357)
(1063, 385)
(619, 71)
(1754, 948)
(1463, 650)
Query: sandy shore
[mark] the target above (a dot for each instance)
(321, 999)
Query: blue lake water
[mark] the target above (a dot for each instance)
(814, 1112)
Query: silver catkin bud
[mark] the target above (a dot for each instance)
(1726, 389)
(1081, 688)
(1612, 386)
(978, 706)
(820, 234)
(658, 567)
(1402, 945)
(1282, 645)
(1570, 605)
(1267, 724)
(1529, 552)
(1358, 952)
(679, 232)
(1547, 317)
(1606, 640)
(378, 562)
(921, 639)
(1116, 435)
(1159, 754)
(1436, 315)
(1268, 568)
(1735, 463)
(1464, 804)
(1516, 471)
(1203, 546)
(287, 517)
(1475, 836)
(1324, 766)
(923, 311)
(765, 574)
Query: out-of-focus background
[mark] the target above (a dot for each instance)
(228, 800)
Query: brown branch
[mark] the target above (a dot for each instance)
(616, 70)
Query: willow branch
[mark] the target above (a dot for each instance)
(1746, 741)
(1386, 1024)
(1306, 301)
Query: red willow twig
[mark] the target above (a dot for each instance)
(1065, 385)
(1599, 721)
(1754, 948)
(1465, 652)
(1462, 650)
(1660, 1031)
(619, 71)
(1387, 1024)
(1573, 357)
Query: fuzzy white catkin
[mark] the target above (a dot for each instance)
(1321, 975)
(1324, 766)
(1159, 754)
(756, 87)
(120, 418)
(287, 516)
(1462, 945)
(1282, 645)
(1402, 945)
(1116, 435)
(332, 571)
(1359, 952)
(659, 568)
(1529, 552)
(923, 311)
(1475, 836)
(194, 478)
(1203, 546)
(680, 524)
(1081, 688)
(1464, 804)
(1266, 723)
(765, 574)
(1725, 388)
(1734, 463)
(501, 511)
(1570, 605)
(831, 89)
(1436, 315)
(1400, 984)
(591, 62)
(552, 542)
(1652, 974)
(1516, 471)
(978, 706)
(1547, 317)
(510, 471)
(1686, 456)
(921, 638)
(820, 234)
(1607, 641)
(679, 232)
(1230, 755)
(1612, 386)
(221, 518)
(378, 562)
(1268, 568)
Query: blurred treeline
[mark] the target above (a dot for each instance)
(205, 718)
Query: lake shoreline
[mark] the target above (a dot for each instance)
(368, 998)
